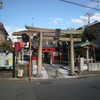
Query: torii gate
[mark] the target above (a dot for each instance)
(71, 39)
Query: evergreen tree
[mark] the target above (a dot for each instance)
(6, 45)
(90, 33)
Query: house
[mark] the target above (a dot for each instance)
(3, 33)
(4, 36)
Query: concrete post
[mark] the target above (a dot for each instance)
(39, 66)
(87, 54)
(72, 55)
(22, 55)
(19, 55)
(56, 73)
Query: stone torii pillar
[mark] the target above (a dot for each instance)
(72, 55)
(39, 66)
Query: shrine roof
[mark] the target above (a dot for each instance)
(86, 43)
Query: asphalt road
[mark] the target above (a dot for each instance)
(55, 89)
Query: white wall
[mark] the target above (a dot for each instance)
(15, 39)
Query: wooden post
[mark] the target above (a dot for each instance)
(30, 61)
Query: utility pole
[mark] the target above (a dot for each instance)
(88, 15)
(1, 4)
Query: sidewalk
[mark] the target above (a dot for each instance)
(63, 71)
(43, 72)
(49, 72)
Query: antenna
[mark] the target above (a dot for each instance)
(32, 21)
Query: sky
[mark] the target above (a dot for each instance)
(52, 14)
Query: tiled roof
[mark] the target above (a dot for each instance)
(84, 44)
(3, 29)
(1, 26)
(91, 24)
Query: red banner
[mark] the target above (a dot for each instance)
(22, 44)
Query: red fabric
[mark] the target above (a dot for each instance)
(34, 58)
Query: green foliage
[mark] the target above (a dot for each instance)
(6, 45)
(65, 35)
(90, 33)
(77, 35)
(81, 53)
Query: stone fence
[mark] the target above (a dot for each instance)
(94, 67)
(24, 67)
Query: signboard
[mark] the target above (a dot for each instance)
(16, 46)
(22, 44)
(20, 73)
(6, 60)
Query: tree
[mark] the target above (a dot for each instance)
(6, 45)
(90, 33)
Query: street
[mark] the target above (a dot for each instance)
(86, 88)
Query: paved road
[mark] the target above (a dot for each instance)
(52, 89)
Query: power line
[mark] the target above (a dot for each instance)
(80, 4)
(95, 1)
